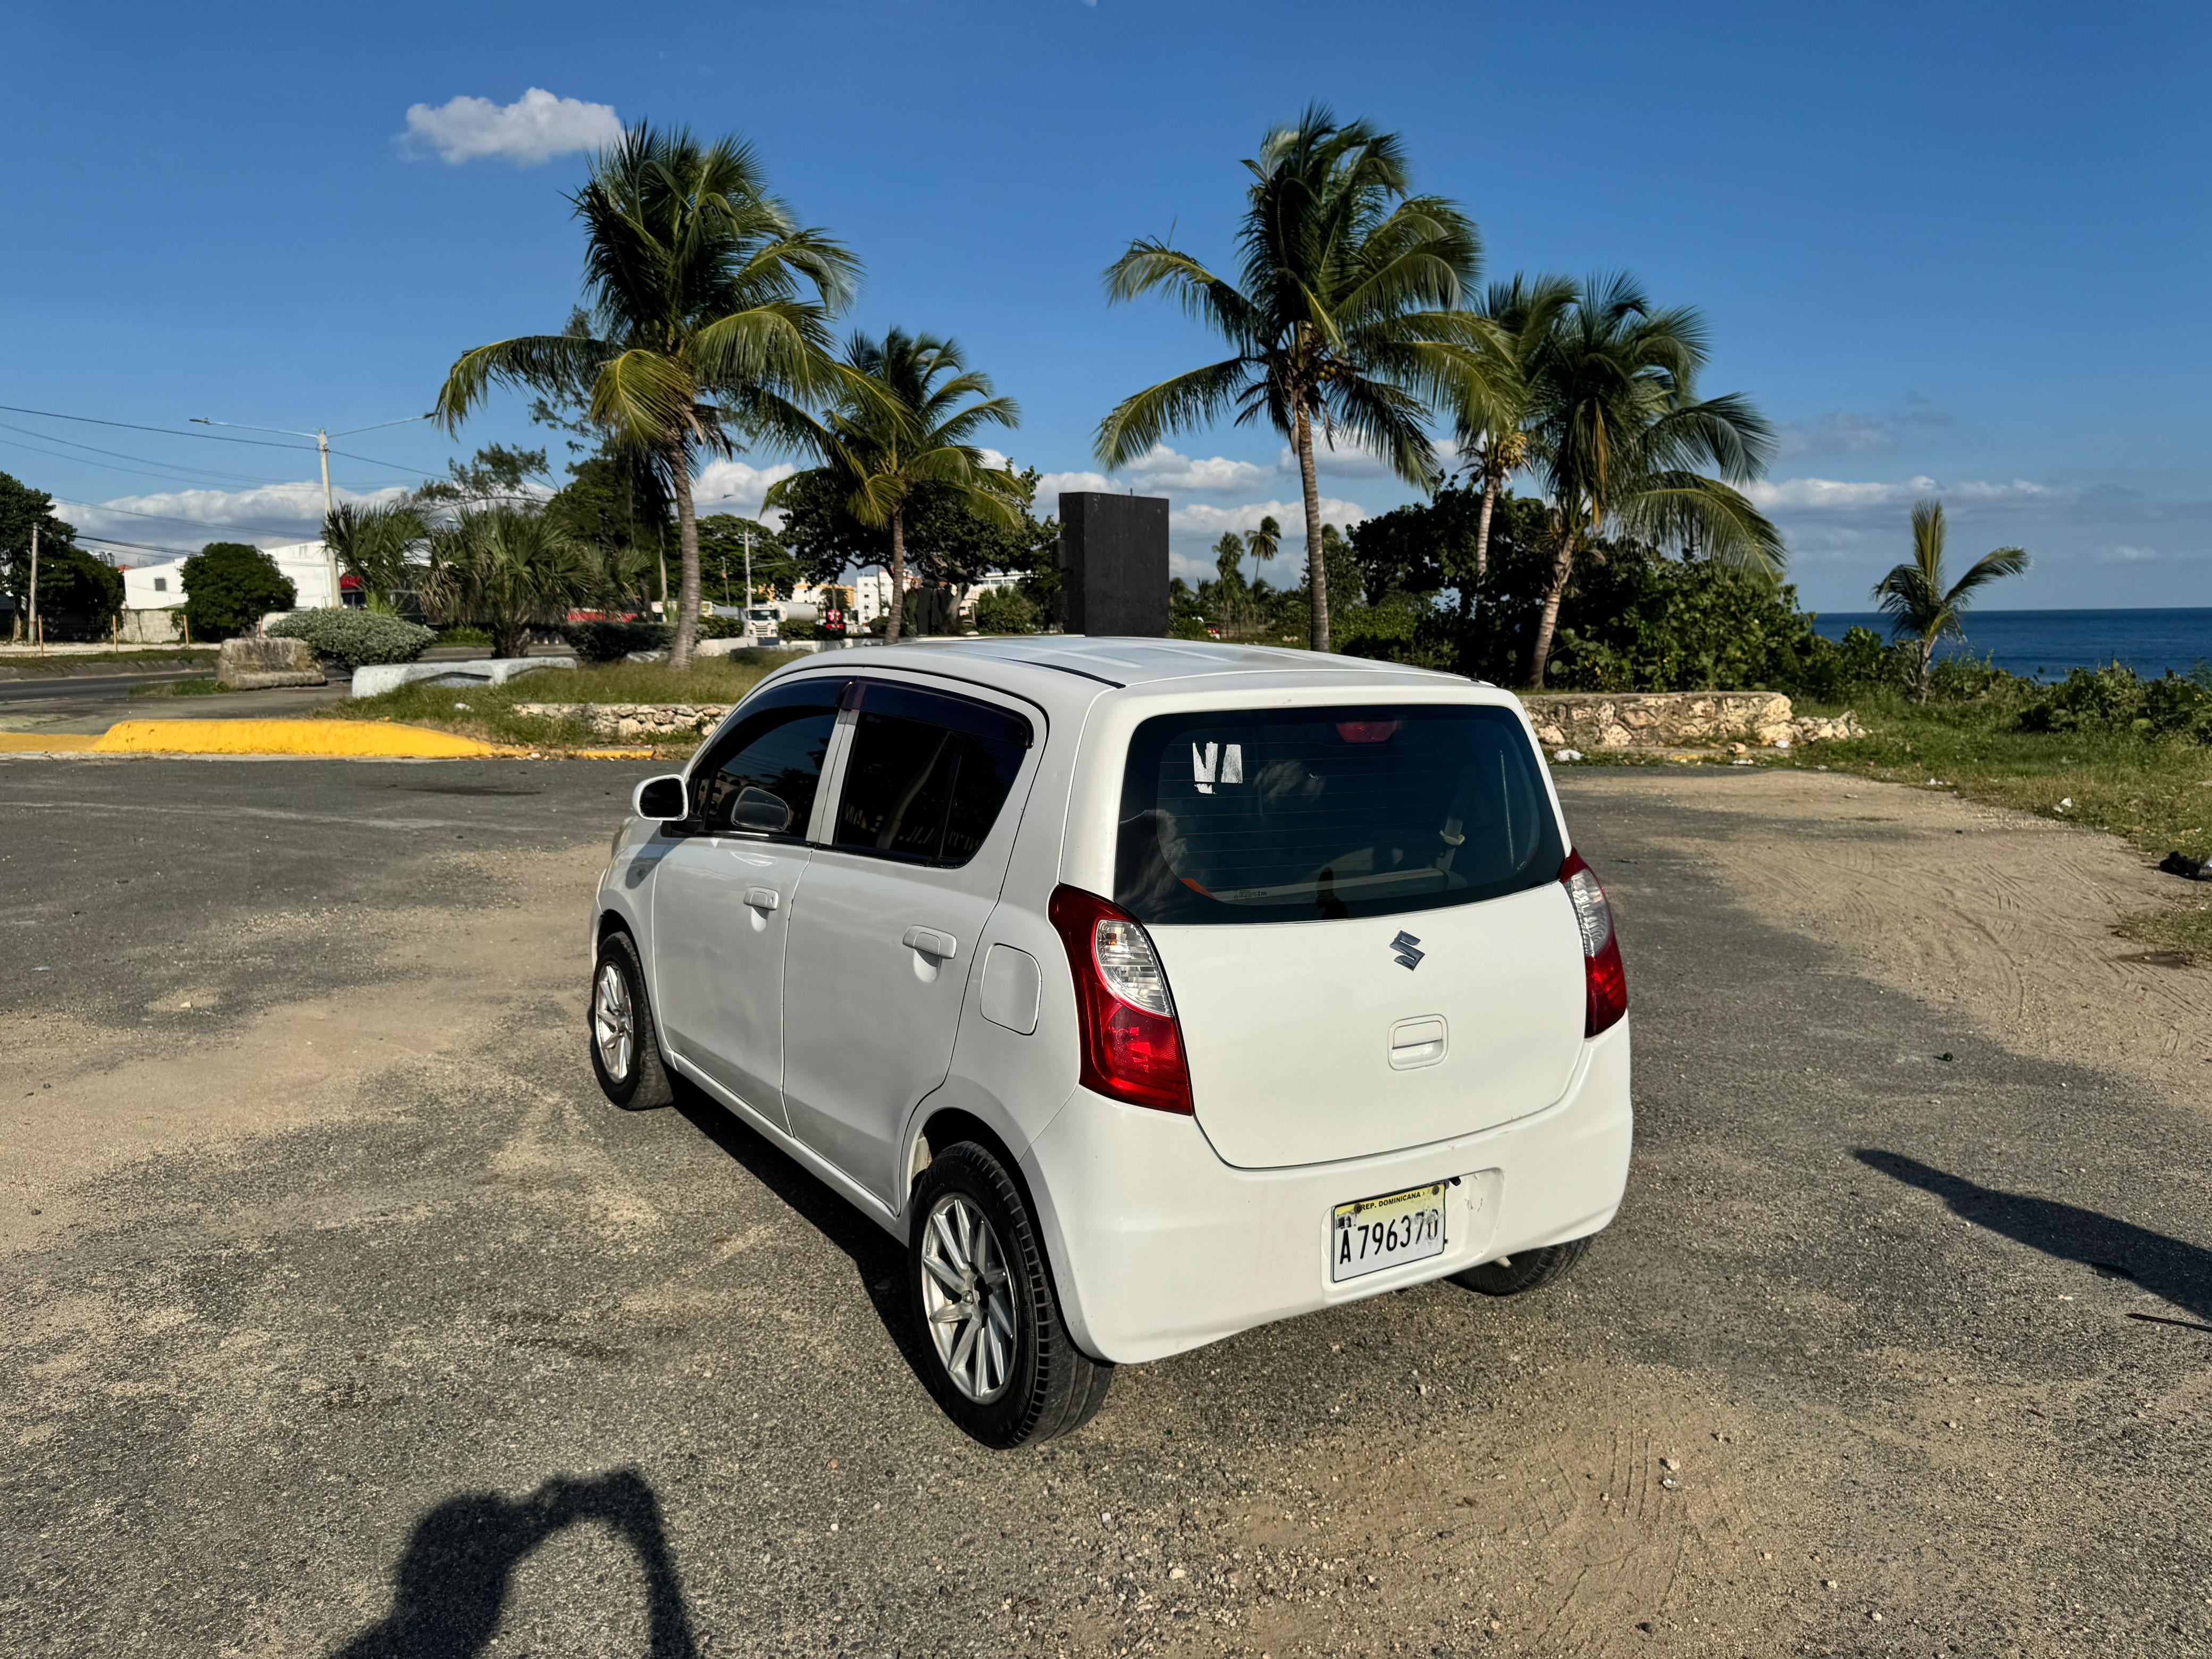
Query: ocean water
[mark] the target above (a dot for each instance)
(2045, 644)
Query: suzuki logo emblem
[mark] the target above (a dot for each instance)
(1407, 950)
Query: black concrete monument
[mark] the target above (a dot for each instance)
(1113, 564)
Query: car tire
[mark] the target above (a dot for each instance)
(1530, 1270)
(620, 1032)
(994, 1350)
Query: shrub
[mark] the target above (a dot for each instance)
(2115, 698)
(611, 641)
(1005, 610)
(229, 586)
(356, 638)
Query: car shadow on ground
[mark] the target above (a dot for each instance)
(879, 1258)
(452, 1583)
(2180, 1272)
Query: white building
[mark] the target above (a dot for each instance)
(872, 593)
(309, 565)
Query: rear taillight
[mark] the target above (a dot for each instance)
(1131, 1046)
(1604, 980)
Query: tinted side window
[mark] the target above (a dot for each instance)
(927, 774)
(762, 777)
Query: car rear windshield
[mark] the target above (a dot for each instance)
(1303, 814)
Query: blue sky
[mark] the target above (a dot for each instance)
(1958, 250)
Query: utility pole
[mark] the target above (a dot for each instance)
(38, 632)
(749, 567)
(323, 452)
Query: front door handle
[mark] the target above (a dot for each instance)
(762, 898)
(932, 943)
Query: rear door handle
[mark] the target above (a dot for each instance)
(932, 943)
(762, 898)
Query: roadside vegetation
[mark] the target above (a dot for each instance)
(21, 660)
(487, 712)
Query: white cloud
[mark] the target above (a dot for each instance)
(729, 486)
(1839, 496)
(1199, 519)
(529, 131)
(1165, 470)
(1845, 432)
(268, 515)
(1056, 483)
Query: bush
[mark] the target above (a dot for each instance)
(356, 638)
(463, 636)
(611, 641)
(2116, 699)
(229, 586)
(1005, 610)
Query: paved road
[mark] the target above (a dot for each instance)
(73, 704)
(343, 1317)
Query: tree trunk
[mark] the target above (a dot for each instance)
(1489, 482)
(1923, 675)
(1317, 566)
(896, 616)
(1540, 651)
(687, 525)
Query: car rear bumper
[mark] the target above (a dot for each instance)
(1158, 1246)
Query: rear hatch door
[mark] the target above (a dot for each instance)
(1359, 913)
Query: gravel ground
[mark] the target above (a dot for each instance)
(343, 1316)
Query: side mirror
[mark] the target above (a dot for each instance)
(757, 810)
(661, 800)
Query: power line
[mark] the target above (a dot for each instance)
(132, 425)
(174, 518)
(174, 469)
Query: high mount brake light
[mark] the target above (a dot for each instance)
(1605, 979)
(1131, 1045)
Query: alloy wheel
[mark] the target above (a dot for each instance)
(614, 1021)
(967, 1296)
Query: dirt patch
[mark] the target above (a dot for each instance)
(86, 1098)
(2006, 918)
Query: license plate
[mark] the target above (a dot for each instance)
(1370, 1234)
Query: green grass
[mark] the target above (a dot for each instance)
(2185, 930)
(199, 688)
(151, 657)
(489, 709)
(2156, 792)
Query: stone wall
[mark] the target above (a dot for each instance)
(252, 665)
(1675, 720)
(634, 719)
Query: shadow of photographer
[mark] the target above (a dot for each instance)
(452, 1585)
(2178, 1272)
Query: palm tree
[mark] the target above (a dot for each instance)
(378, 546)
(1263, 543)
(506, 568)
(1489, 421)
(1344, 313)
(709, 318)
(904, 428)
(1912, 596)
(1617, 435)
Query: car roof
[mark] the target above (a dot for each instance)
(1127, 662)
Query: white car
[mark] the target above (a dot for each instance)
(1149, 990)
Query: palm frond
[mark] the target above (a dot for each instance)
(545, 361)
(1176, 404)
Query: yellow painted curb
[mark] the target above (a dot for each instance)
(346, 739)
(44, 743)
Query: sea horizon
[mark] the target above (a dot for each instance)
(2046, 644)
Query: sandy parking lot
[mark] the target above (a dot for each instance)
(342, 1315)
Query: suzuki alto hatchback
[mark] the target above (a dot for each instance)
(1148, 990)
